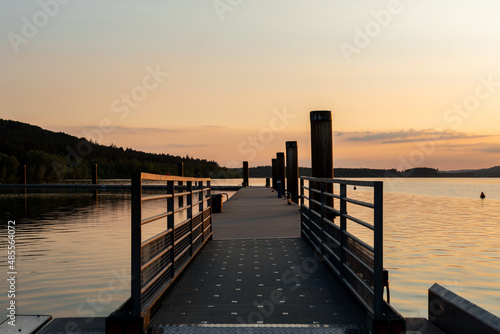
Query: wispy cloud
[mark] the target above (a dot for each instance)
(215, 127)
(490, 148)
(405, 136)
(175, 145)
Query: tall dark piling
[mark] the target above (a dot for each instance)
(274, 162)
(321, 153)
(180, 169)
(245, 174)
(94, 174)
(292, 170)
(280, 170)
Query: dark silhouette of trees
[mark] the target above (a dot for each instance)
(55, 156)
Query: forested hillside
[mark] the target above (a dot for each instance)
(55, 156)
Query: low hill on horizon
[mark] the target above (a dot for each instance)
(55, 156)
(265, 171)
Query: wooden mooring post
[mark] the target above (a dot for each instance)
(280, 171)
(180, 169)
(273, 173)
(245, 174)
(292, 170)
(94, 174)
(321, 152)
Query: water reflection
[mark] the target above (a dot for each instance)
(68, 248)
(74, 245)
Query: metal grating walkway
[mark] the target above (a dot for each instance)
(257, 329)
(251, 284)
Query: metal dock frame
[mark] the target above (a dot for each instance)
(159, 261)
(358, 265)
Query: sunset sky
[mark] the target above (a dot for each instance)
(410, 83)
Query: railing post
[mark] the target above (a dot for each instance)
(310, 215)
(301, 192)
(210, 197)
(190, 211)
(245, 174)
(343, 226)
(378, 243)
(199, 186)
(180, 172)
(136, 260)
(301, 207)
(322, 222)
(274, 175)
(171, 221)
(24, 174)
(292, 170)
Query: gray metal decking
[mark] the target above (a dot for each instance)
(262, 277)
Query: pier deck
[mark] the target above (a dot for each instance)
(259, 273)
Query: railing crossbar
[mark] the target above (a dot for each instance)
(361, 242)
(153, 218)
(182, 238)
(360, 203)
(182, 253)
(314, 191)
(368, 288)
(147, 264)
(358, 296)
(155, 237)
(359, 221)
(154, 198)
(156, 278)
(184, 208)
(361, 262)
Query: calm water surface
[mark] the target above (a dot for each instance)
(73, 248)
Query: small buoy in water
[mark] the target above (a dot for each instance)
(483, 196)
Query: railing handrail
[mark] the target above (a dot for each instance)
(158, 177)
(343, 181)
(313, 217)
(159, 260)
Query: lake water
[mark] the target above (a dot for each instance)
(73, 247)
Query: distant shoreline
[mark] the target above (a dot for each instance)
(265, 171)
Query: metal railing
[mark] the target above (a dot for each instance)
(358, 264)
(159, 260)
